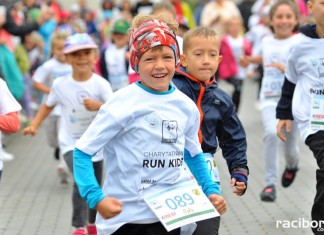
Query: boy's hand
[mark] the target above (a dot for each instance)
(218, 202)
(91, 105)
(239, 180)
(30, 130)
(109, 207)
(281, 124)
(240, 187)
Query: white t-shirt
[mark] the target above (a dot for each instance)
(306, 70)
(116, 66)
(274, 51)
(75, 119)
(8, 104)
(47, 73)
(143, 135)
(237, 45)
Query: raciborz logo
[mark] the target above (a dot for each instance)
(169, 131)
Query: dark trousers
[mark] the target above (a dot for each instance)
(208, 226)
(236, 96)
(81, 213)
(145, 229)
(316, 144)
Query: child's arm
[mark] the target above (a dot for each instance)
(89, 188)
(284, 108)
(92, 105)
(247, 60)
(41, 87)
(199, 169)
(9, 123)
(232, 141)
(279, 66)
(37, 121)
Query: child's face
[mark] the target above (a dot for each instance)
(234, 27)
(156, 68)
(316, 7)
(82, 61)
(120, 40)
(58, 50)
(201, 58)
(283, 21)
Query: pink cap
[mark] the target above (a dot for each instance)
(79, 41)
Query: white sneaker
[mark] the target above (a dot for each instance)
(5, 155)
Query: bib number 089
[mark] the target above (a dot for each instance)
(179, 201)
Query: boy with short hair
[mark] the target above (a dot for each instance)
(219, 123)
(80, 95)
(302, 98)
(140, 125)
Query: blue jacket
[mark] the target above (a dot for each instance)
(219, 123)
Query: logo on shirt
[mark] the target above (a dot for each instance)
(152, 120)
(82, 95)
(169, 131)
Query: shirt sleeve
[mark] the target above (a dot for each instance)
(85, 179)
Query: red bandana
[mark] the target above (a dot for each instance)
(150, 34)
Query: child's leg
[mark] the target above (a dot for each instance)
(316, 143)
(270, 144)
(27, 99)
(236, 96)
(208, 226)
(291, 147)
(98, 173)
(79, 205)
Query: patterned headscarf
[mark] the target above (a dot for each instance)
(150, 34)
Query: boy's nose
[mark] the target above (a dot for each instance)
(159, 64)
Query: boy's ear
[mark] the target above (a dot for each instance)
(310, 6)
(183, 60)
(220, 58)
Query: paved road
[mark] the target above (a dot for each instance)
(33, 202)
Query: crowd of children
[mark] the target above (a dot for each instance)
(110, 83)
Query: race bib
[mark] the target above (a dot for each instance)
(118, 81)
(317, 113)
(181, 205)
(272, 86)
(212, 167)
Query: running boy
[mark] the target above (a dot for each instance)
(80, 95)
(219, 123)
(139, 122)
(9, 107)
(302, 98)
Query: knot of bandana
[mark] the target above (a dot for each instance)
(150, 34)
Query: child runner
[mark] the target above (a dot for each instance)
(43, 79)
(80, 95)
(114, 61)
(9, 107)
(275, 50)
(302, 99)
(219, 123)
(139, 122)
(233, 46)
